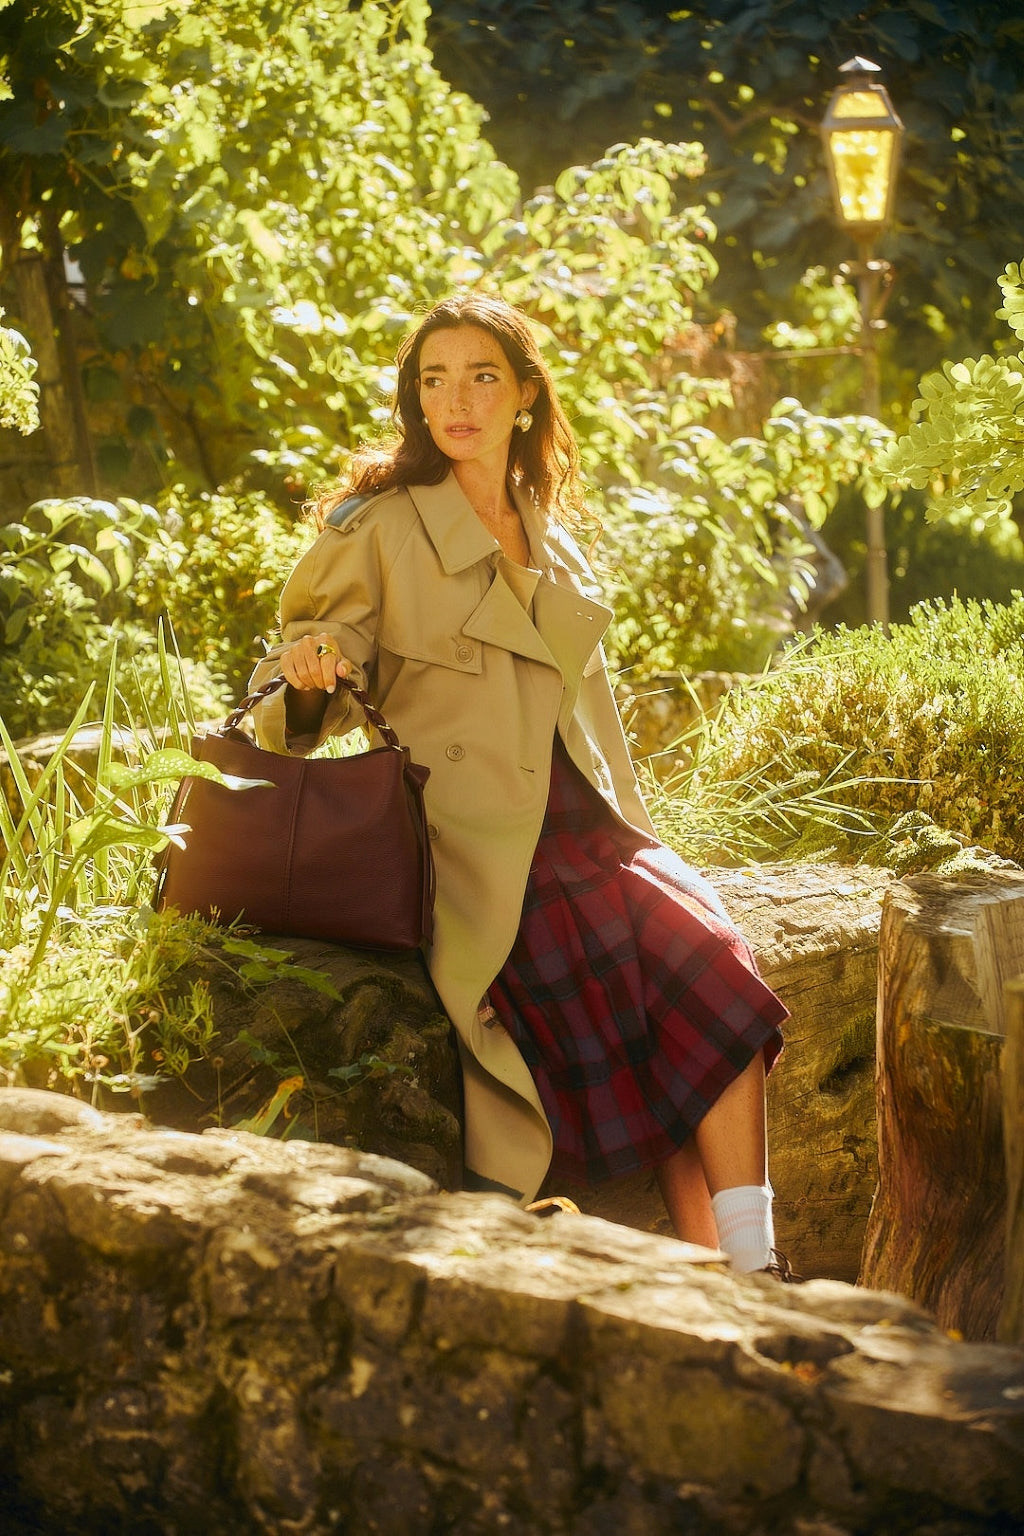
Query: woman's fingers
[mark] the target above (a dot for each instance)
(331, 663)
(314, 662)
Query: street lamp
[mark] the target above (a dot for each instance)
(861, 133)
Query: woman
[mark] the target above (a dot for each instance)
(608, 1015)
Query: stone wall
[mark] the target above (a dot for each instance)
(814, 929)
(225, 1335)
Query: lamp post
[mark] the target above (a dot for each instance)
(861, 134)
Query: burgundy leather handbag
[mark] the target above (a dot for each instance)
(330, 848)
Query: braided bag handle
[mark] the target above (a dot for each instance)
(370, 710)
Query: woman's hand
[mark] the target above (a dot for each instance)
(314, 663)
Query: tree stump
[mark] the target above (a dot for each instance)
(1011, 1322)
(947, 948)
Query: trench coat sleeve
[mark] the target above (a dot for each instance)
(336, 587)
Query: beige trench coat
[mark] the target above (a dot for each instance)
(476, 663)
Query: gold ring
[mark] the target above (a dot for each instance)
(326, 650)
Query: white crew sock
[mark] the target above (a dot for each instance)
(743, 1216)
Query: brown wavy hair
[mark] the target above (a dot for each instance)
(545, 461)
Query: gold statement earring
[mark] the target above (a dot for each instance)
(524, 420)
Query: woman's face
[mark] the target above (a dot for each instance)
(469, 395)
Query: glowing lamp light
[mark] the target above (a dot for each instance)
(862, 133)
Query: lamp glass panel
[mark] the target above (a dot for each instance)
(862, 158)
(859, 104)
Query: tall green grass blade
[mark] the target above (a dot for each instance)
(30, 824)
(181, 717)
(104, 758)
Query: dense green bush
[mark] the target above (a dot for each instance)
(79, 576)
(214, 571)
(64, 570)
(707, 563)
(926, 725)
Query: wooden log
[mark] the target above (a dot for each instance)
(936, 1233)
(1011, 1321)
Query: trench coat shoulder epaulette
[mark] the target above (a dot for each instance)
(348, 514)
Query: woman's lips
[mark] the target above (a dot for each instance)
(460, 430)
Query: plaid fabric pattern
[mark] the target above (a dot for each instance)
(633, 999)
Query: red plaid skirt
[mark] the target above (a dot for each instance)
(633, 999)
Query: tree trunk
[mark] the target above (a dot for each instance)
(1011, 1322)
(38, 277)
(63, 317)
(936, 1233)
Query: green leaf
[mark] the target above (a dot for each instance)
(169, 765)
(121, 93)
(99, 831)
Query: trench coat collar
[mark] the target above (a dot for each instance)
(458, 535)
(562, 628)
(454, 529)
(565, 627)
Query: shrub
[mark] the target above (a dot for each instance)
(65, 570)
(79, 576)
(215, 570)
(710, 562)
(925, 726)
(65, 650)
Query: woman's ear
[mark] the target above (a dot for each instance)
(529, 392)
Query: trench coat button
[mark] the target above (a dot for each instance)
(431, 829)
(455, 753)
(463, 653)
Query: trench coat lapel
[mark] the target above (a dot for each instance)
(500, 619)
(571, 626)
(563, 632)
(455, 531)
(565, 628)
